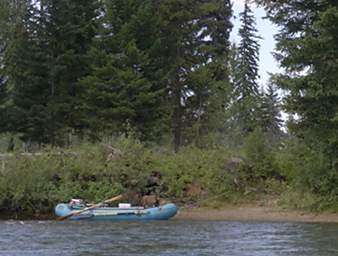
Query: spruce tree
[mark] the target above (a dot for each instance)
(193, 39)
(25, 70)
(246, 88)
(11, 13)
(307, 48)
(270, 114)
(118, 94)
(71, 28)
(123, 87)
(211, 87)
(46, 59)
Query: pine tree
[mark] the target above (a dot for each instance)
(246, 88)
(151, 61)
(26, 72)
(71, 28)
(307, 48)
(210, 81)
(270, 114)
(248, 54)
(123, 87)
(186, 28)
(118, 94)
(11, 13)
(45, 62)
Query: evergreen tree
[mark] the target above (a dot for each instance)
(248, 54)
(194, 38)
(232, 66)
(28, 74)
(44, 64)
(71, 28)
(185, 43)
(246, 88)
(210, 81)
(270, 114)
(118, 94)
(11, 13)
(151, 61)
(123, 86)
(307, 48)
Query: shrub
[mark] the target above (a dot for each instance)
(260, 156)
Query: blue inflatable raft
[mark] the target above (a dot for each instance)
(163, 212)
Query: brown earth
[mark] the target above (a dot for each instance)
(253, 213)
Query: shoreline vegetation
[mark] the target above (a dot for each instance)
(213, 183)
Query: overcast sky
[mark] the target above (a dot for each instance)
(266, 31)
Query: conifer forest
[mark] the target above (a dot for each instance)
(99, 96)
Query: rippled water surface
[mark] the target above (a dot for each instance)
(167, 238)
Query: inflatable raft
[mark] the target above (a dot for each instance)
(163, 212)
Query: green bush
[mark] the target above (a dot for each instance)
(260, 156)
(35, 184)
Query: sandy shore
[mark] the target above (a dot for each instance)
(227, 213)
(254, 213)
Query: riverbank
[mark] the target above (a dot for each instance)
(246, 213)
(254, 213)
(204, 177)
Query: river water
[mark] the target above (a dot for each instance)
(50, 238)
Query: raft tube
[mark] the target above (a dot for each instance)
(163, 212)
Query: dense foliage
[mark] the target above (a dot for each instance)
(163, 76)
(307, 48)
(98, 67)
(33, 184)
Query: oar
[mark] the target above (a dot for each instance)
(90, 207)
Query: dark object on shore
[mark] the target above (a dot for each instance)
(150, 200)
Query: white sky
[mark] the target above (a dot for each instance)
(266, 30)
